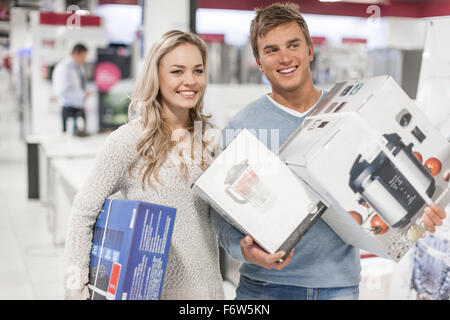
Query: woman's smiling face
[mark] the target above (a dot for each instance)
(182, 78)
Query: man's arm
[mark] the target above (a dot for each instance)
(243, 248)
(229, 236)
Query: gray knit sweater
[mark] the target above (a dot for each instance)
(193, 265)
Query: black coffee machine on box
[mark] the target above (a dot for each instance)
(393, 194)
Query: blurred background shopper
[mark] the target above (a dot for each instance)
(69, 83)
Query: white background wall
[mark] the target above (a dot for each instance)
(394, 32)
(162, 16)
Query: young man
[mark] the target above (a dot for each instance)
(69, 83)
(322, 266)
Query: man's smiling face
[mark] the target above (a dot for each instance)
(284, 57)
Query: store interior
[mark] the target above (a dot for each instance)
(42, 169)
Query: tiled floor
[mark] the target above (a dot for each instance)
(30, 266)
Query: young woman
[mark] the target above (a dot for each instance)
(141, 159)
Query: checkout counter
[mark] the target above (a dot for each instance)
(57, 166)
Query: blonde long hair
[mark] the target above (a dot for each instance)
(155, 143)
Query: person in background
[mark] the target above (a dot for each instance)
(323, 266)
(69, 84)
(142, 160)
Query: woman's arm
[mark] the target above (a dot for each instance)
(105, 178)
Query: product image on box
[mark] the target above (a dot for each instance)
(130, 248)
(257, 193)
(369, 151)
(386, 189)
(243, 185)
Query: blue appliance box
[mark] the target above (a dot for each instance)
(129, 253)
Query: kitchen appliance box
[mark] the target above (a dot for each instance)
(257, 193)
(130, 248)
(356, 150)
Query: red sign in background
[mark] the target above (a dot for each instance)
(106, 75)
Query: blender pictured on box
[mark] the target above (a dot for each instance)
(244, 185)
(362, 149)
(257, 193)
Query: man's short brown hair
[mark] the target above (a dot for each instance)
(271, 17)
(79, 48)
